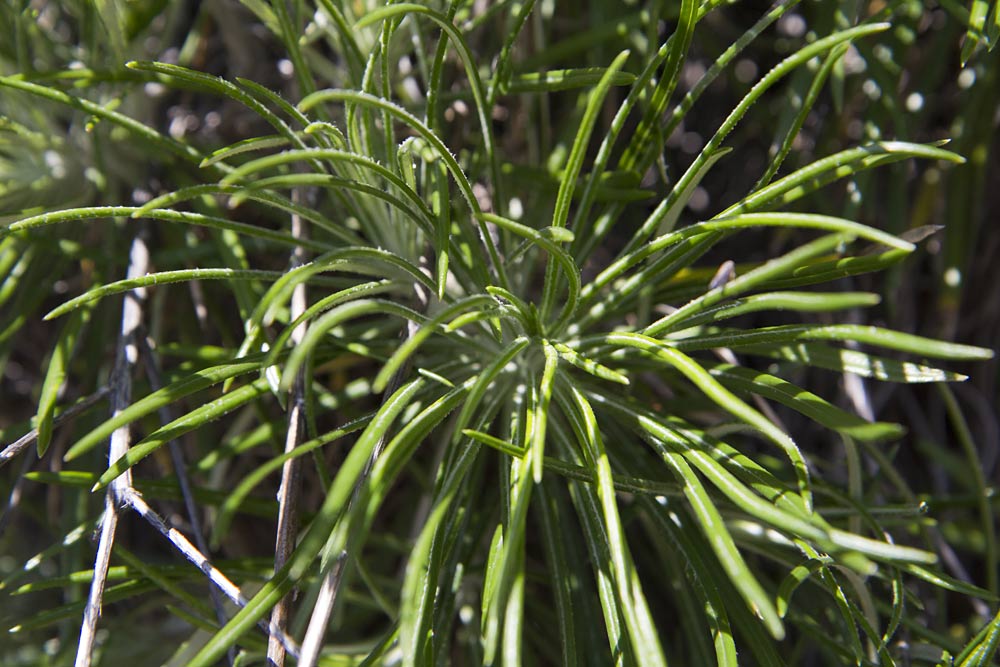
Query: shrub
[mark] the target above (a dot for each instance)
(520, 316)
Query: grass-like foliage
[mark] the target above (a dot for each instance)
(540, 357)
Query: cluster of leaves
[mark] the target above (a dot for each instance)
(472, 298)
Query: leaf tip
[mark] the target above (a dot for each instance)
(967, 50)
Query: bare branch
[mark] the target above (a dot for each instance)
(134, 500)
(313, 641)
(288, 492)
(180, 468)
(332, 578)
(121, 396)
(29, 438)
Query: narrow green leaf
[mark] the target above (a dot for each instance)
(169, 73)
(404, 351)
(320, 328)
(245, 146)
(779, 150)
(711, 523)
(541, 418)
(825, 269)
(561, 580)
(468, 62)
(346, 36)
(420, 581)
(53, 615)
(726, 58)
(236, 498)
(561, 257)
(791, 333)
(854, 361)
(55, 376)
(185, 424)
(563, 79)
(622, 483)
(356, 292)
(948, 583)
(71, 537)
(805, 402)
(975, 33)
(710, 585)
(334, 156)
(839, 165)
(183, 217)
(778, 266)
(804, 302)
(352, 260)
(484, 379)
(597, 549)
(981, 487)
(732, 223)
(724, 399)
(133, 126)
(849, 613)
(149, 404)
(504, 60)
(574, 163)
(465, 187)
(589, 365)
(680, 42)
(795, 578)
(979, 652)
(525, 313)
(671, 217)
(509, 560)
(161, 278)
(638, 620)
(581, 140)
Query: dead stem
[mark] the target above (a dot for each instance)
(135, 501)
(121, 396)
(288, 492)
(334, 575)
(29, 438)
(121, 492)
(180, 469)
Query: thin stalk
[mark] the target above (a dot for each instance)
(183, 481)
(288, 493)
(29, 438)
(121, 397)
(333, 577)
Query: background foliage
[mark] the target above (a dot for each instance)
(568, 271)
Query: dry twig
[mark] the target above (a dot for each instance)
(121, 396)
(288, 492)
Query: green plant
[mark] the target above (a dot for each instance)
(498, 373)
